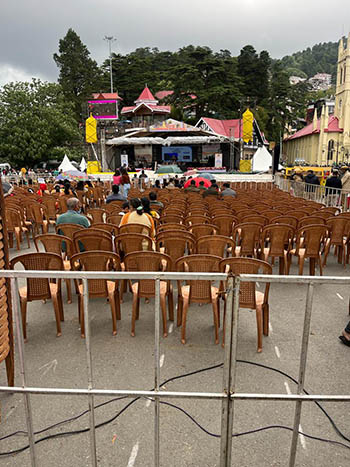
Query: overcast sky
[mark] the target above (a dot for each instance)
(30, 29)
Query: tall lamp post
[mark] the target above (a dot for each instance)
(110, 39)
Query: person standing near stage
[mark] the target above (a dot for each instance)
(125, 182)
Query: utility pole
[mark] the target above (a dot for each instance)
(110, 39)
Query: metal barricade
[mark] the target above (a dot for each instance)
(228, 395)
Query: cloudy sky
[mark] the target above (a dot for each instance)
(30, 29)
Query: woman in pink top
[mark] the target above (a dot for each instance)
(116, 177)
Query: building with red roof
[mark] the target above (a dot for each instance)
(146, 110)
(326, 141)
(233, 129)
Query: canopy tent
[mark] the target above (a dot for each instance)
(66, 165)
(262, 160)
(83, 164)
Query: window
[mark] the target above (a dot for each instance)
(330, 150)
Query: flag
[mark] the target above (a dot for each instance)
(247, 132)
(90, 130)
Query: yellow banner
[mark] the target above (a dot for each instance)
(91, 130)
(247, 131)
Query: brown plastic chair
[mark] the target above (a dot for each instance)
(111, 228)
(51, 208)
(197, 291)
(197, 219)
(62, 246)
(37, 214)
(225, 224)
(114, 219)
(175, 243)
(145, 288)
(98, 261)
(324, 214)
(40, 289)
(113, 206)
(92, 239)
(309, 220)
(258, 219)
(130, 242)
(14, 225)
(338, 229)
(171, 218)
(135, 228)
(249, 297)
(309, 240)
(170, 226)
(332, 210)
(201, 230)
(217, 245)
(278, 238)
(246, 237)
(97, 215)
(68, 229)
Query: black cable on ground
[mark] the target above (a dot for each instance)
(84, 430)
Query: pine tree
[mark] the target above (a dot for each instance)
(79, 74)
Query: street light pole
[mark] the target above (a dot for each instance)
(110, 39)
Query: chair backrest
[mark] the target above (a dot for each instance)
(37, 288)
(338, 228)
(214, 245)
(289, 220)
(279, 236)
(130, 242)
(170, 226)
(200, 291)
(239, 266)
(332, 210)
(258, 219)
(310, 237)
(111, 228)
(68, 229)
(96, 261)
(309, 220)
(92, 239)
(175, 243)
(13, 219)
(200, 230)
(50, 204)
(225, 224)
(247, 236)
(54, 243)
(135, 228)
(299, 214)
(36, 212)
(96, 215)
(147, 261)
(113, 206)
(196, 219)
(171, 218)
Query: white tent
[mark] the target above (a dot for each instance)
(66, 165)
(262, 160)
(83, 164)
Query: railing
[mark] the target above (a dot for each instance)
(228, 393)
(330, 197)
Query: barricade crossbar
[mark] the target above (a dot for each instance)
(228, 394)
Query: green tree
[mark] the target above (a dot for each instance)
(35, 120)
(79, 75)
(279, 106)
(253, 70)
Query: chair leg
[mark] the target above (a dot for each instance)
(24, 317)
(312, 264)
(216, 319)
(135, 302)
(259, 323)
(301, 265)
(18, 239)
(320, 264)
(171, 303)
(10, 235)
(180, 307)
(326, 252)
(60, 303)
(266, 318)
(28, 239)
(184, 317)
(163, 307)
(57, 314)
(81, 316)
(112, 303)
(69, 291)
(117, 303)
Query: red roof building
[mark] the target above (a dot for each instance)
(146, 105)
(333, 127)
(106, 96)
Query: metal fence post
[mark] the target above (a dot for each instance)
(232, 307)
(302, 370)
(20, 343)
(89, 370)
(156, 372)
